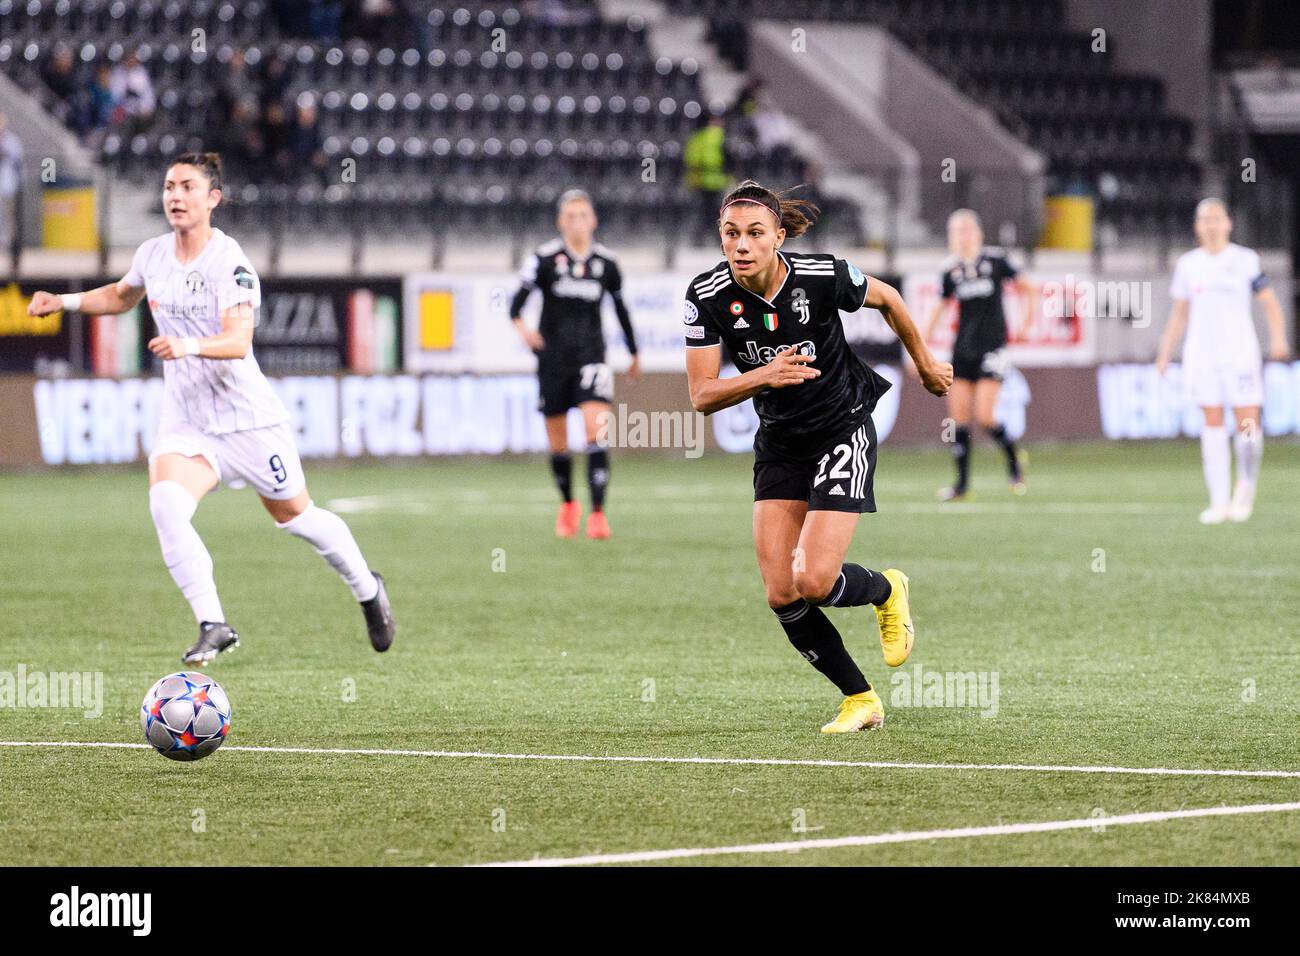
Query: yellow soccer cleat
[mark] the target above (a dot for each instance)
(895, 619)
(860, 712)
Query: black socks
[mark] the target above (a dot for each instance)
(857, 586)
(961, 455)
(597, 475)
(815, 637)
(562, 469)
(999, 434)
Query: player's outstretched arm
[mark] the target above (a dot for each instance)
(233, 341)
(106, 300)
(711, 394)
(1173, 334)
(1278, 351)
(935, 375)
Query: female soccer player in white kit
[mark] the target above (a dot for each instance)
(1212, 291)
(221, 420)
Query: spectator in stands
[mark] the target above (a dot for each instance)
(381, 22)
(275, 141)
(306, 147)
(102, 107)
(60, 75)
(705, 159)
(275, 77)
(243, 148)
(133, 90)
(11, 168)
(235, 83)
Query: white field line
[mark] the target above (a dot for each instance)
(913, 836)
(707, 761)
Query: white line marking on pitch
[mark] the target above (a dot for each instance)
(711, 761)
(913, 836)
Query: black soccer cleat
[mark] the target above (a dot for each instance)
(379, 617)
(213, 639)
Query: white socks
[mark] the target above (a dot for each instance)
(1217, 462)
(183, 551)
(1249, 447)
(329, 535)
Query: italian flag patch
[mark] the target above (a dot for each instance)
(769, 321)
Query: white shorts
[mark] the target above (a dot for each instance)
(1240, 386)
(266, 458)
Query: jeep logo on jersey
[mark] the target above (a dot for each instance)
(589, 290)
(756, 355)
(194, 283)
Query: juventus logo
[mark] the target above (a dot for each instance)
(800, 299)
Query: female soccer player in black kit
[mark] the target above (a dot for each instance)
(815, 451)
(574, 274)
(973, 276)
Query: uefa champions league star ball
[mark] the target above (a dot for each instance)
(185, 716)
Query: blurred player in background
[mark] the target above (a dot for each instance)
(221, 420)
(1212, 290)
(574, 274)
(973, 277)
(815, 451)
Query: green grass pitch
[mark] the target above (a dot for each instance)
(1121, 633)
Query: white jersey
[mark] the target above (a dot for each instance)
(216, 396)
(1219, 289)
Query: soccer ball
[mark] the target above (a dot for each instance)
(185, 716)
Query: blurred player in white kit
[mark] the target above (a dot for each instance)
(1213, 288)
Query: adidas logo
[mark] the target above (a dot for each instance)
(837, 490)
(741, 323)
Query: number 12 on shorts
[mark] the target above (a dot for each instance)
(838, 472)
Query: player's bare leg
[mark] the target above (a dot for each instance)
(987, 391)
(333, 541)
(594, 415)
(177, 483)
(961, 405)
(827, 580)
(789, 570)
(557, 437)
(1248, 444)
(1216, 460)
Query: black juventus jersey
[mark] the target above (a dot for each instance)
(981, 324)
(803, 316)
(572, 290)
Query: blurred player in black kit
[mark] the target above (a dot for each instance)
(574, 274)
(815, 451)
(973, 276)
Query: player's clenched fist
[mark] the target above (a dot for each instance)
(790, 368)
(936, 377)
(44, 303)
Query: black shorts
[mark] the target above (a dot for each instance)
(974, 367)
(564, 387)
(839, 476)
